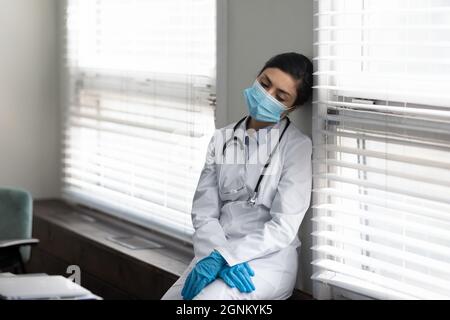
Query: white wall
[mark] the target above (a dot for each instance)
(257, 30)
(29, 133)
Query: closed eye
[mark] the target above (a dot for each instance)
(264, 85)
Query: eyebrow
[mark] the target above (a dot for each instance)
(270, 81)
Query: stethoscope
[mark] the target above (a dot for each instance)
(252, 199)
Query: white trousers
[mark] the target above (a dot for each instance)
(274, 279)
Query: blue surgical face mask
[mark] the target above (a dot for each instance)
(261, 105)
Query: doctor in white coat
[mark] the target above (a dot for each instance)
(253, 193)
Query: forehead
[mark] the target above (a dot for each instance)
(281, 80)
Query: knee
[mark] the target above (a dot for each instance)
(174, 293)
(216, 290)
(219, 290)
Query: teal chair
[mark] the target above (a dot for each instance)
(16, 208)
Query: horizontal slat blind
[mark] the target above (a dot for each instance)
(402, 47)
(139, 107)
(381, 131)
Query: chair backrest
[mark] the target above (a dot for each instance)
(16, 207)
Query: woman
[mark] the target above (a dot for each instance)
(253, 193)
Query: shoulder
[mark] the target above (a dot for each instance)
(227, 127)
(221, 134)
(297, 138)
(219, 137)
(297, 148)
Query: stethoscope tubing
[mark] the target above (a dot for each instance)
(252, 199)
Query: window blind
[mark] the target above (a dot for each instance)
(139, 107)
(381, 132)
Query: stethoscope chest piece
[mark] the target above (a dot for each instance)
(252, 200)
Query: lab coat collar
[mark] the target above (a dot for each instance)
(261, 135)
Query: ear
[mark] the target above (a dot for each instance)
(289, 110)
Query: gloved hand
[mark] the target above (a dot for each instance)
(238, 276)
(204, 272)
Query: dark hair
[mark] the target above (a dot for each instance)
(299, 67)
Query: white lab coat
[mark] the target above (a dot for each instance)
(264, 235)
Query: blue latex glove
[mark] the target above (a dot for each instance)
(204, 272)
(238, 276)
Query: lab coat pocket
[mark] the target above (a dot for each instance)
(232, 182)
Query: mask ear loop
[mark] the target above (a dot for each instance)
(287, 111)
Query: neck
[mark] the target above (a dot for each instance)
(256, 125)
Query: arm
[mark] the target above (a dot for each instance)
(206, 208)
(288, 209)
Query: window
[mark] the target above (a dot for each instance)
(139, 107)
(382, 148)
